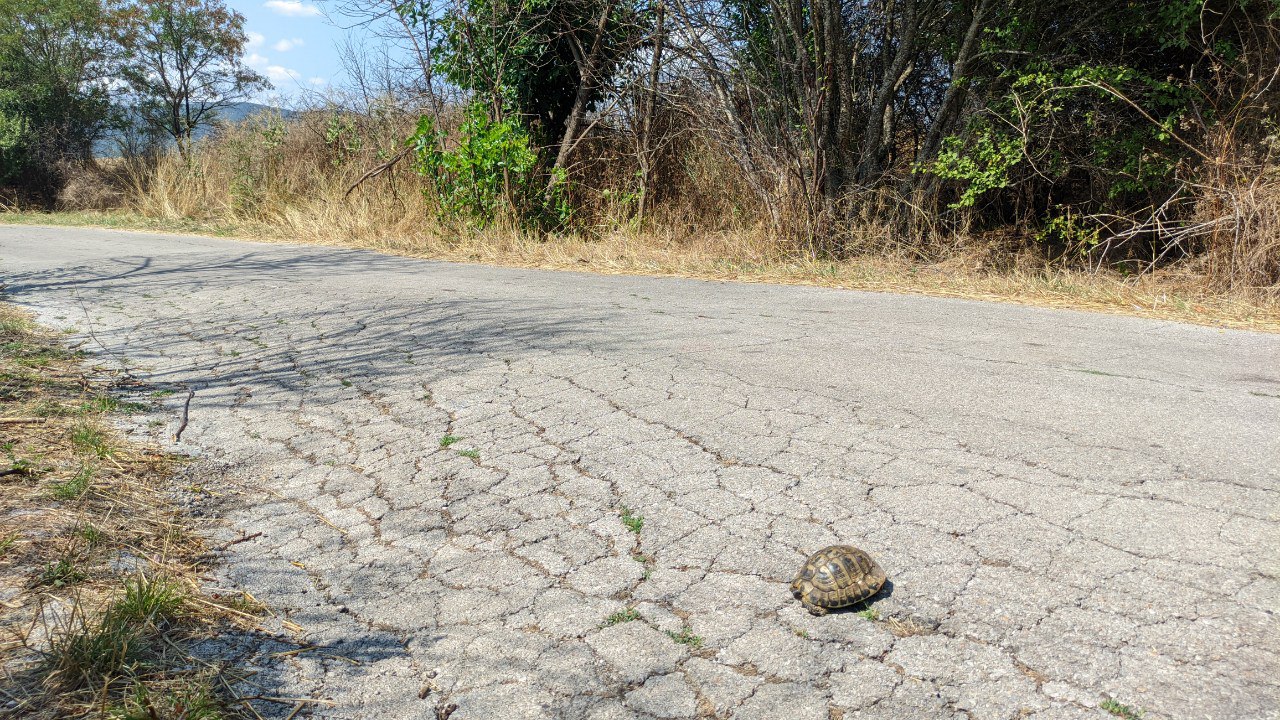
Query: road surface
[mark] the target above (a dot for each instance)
(436, 465)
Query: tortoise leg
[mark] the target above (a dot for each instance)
(815, 610)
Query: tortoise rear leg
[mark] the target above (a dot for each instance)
(816, 610)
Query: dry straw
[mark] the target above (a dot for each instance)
(300, 181)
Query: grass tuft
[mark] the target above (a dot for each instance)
(448, 440)
(90, 534)
(7, 543)
(60, 573)
(108, 404)
(150, 599)
(15, 325)
(87, 654)
(91, 439)
(20, 466)
(76, 486)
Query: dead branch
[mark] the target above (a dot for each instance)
(375, 172)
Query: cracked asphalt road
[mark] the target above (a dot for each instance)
(1071, 507)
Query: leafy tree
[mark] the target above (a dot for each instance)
(544, 60)
(188, 64)
(533, 70)
(56, 61)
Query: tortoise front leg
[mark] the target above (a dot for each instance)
(816, 610)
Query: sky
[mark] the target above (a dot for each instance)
(293, 45)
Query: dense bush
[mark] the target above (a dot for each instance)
(1133, 133)
(55, 58)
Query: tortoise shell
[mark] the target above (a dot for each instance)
(835, 577)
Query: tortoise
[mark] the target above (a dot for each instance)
(835, 577)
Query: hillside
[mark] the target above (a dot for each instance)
(109, 144)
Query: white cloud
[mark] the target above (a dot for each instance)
(288, 44)
(278, 74)
(285, 79)
(293, 8)
(255, 40)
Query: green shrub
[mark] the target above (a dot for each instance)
(490, 174)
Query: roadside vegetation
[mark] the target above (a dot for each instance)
(100, 601)
(1116, 157)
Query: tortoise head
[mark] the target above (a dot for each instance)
(796, 590)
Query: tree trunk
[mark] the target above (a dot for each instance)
(586, 74)
(957, 89)
(874, 135)
(832, 45)
(645, 157)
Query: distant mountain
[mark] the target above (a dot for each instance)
(109, 144)
(238, 112)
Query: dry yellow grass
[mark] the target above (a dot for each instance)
(735, 256)
(99, 571)
(276, 180)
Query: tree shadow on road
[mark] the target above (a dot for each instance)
(358, 329)
(185, 327)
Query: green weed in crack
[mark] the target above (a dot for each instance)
(448, 440)
(686, 637)
(633, 522)
(646, 561)
(1121, 710)
(471, 453)
(620, 617)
